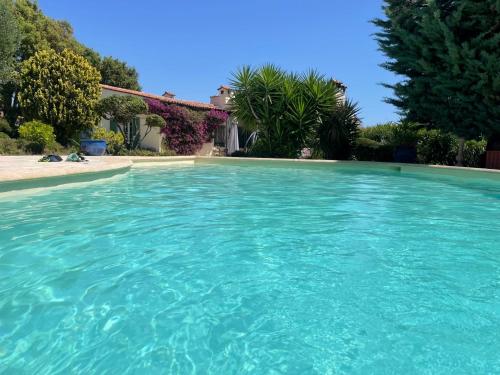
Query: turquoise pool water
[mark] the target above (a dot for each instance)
(251, 270)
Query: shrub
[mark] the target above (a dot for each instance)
(436, 147)
(155, 121)
(405, 134)
(9, 146)
(473, 153)
(57, 148)
(38, 135)
(370, 150)
(5, 127)
(145, 152)
(382, 133)
(4, 136)
(114, 140)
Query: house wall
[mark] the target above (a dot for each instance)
(222, 101)
(153, 141)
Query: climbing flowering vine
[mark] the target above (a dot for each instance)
(186, 131)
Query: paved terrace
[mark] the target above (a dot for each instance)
(27, 167)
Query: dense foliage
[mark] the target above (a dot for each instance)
(433, 146)
(144, 152)
(367, 149)
(40, 32)
(286, 109)
(37, 135)
(37, 32)
(9, 146)
(5, 127)
(449, 55)
(117, 73)
(9, 41)
(114, 140)
(61, 89)
(436, 147)
(19, 146)
(382, 133)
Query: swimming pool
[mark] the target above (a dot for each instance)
(251, 269)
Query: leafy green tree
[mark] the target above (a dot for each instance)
(9, 41)
(123, 109)
(61, 89)
(117, 73)
(286, 109)
(39, 32)
(448, 52)
(338, 133)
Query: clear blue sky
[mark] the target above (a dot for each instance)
(191, 47)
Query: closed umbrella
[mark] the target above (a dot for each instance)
(233, 143)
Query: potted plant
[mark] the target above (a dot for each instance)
(493, 152)
(405, 138)
(93, 147)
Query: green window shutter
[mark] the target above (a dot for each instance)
(113, 125)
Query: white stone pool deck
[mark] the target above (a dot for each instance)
(15, 168)
(27, 167)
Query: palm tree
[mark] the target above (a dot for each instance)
(337, 135)
(285, 108)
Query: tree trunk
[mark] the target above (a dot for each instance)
(460, 155)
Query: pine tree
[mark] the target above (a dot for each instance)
(448, 52)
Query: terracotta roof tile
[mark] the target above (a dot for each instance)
(187, 103)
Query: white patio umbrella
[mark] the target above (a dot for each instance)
(233, 143)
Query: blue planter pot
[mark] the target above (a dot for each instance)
(93, 147)
(405, 154)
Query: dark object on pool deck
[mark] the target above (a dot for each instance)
(93, 147)
(51, 158)
(405, 154)
(76, 157)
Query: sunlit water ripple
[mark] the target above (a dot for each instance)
(251, 270)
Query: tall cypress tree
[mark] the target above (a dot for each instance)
(448, 52)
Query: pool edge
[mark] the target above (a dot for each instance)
(139, 162)
(52, 181)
